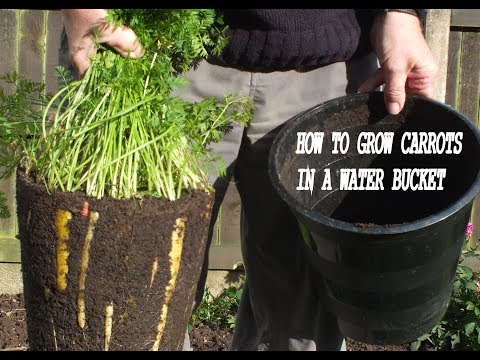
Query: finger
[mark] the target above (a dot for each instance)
(82, 67)
(373, 82)
(394, 91)
(80, 58)
(421, 86)
(123, 40)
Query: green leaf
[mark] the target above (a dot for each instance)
(455, 340)
(440, 331)
(239, 294)
(231, 291)
(471, 285)
(457, 286)
(469, 328)
(470, 305)
(424, 337)
(414, 345)
(465, 271)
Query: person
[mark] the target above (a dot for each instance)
(286, 61)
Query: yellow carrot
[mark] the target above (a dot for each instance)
(61, 224)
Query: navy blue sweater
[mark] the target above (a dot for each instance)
(267, 40)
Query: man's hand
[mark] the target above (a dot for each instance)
(82, 25)
(406, 62)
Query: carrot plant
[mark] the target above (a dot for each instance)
(20, 119)
(120, 131)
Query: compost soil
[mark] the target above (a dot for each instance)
(128, 238)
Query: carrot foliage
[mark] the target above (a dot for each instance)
(121, 130)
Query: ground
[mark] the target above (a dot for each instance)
(210, 338)
(13, 335)
(13, 332)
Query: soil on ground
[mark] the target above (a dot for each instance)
(13, 332)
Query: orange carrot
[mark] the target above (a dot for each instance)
(84, 212)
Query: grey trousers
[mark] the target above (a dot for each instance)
(282, 305)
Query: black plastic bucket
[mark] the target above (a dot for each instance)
(388, 257)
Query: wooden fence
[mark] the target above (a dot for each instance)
(463, 77)
(29, 40)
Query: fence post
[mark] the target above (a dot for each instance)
(437, 30)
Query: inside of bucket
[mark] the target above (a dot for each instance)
(450, 174)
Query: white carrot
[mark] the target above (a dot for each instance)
(81, 316)
(154, 271)
(108, 325)
(174, 257)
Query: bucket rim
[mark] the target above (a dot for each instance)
(315, 216)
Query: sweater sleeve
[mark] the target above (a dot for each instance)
(421, 13)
